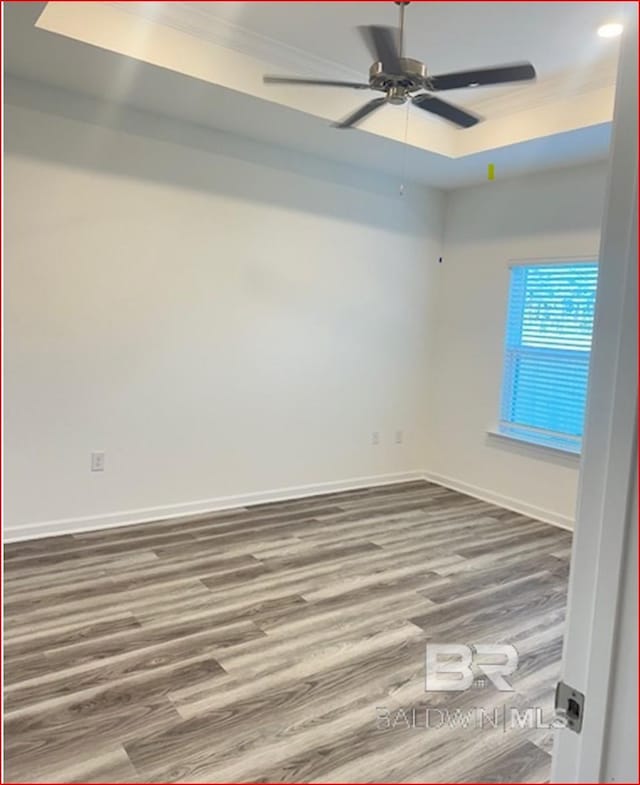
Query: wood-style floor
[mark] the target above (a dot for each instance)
(285, 642)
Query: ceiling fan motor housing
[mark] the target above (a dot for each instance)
(398, 86)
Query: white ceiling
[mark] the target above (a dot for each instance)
(316, 38)
(562, 119)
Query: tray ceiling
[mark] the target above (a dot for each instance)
(228, 46)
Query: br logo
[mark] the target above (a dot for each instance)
(456, 666)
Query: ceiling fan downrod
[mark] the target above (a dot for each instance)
(402, 4)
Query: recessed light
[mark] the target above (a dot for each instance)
(611, 30)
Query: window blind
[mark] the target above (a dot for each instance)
(547, 351)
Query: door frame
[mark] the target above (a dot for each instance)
(605, 494)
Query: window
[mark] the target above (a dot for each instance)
(547, 349)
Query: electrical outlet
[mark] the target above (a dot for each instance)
(375, 437)
(97, 461)
(399, 437)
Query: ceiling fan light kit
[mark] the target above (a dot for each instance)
(403, 79)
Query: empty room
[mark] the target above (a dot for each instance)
(320, 390)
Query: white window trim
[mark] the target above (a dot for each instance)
(496, 432)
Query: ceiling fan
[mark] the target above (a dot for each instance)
(399, 77)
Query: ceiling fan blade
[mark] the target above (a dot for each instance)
(518, 72)
(382, 43)
(361, 113)
(443, 109)
(301, 80)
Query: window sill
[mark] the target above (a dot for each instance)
(497, 433)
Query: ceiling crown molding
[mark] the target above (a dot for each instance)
(561, 86)
(197, 20)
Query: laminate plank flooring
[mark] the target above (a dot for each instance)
(284, 642)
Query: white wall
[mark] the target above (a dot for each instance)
(226, 318)
(221, 317)
(550, 215)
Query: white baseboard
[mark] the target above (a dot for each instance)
(31, 531)
(541, 514)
